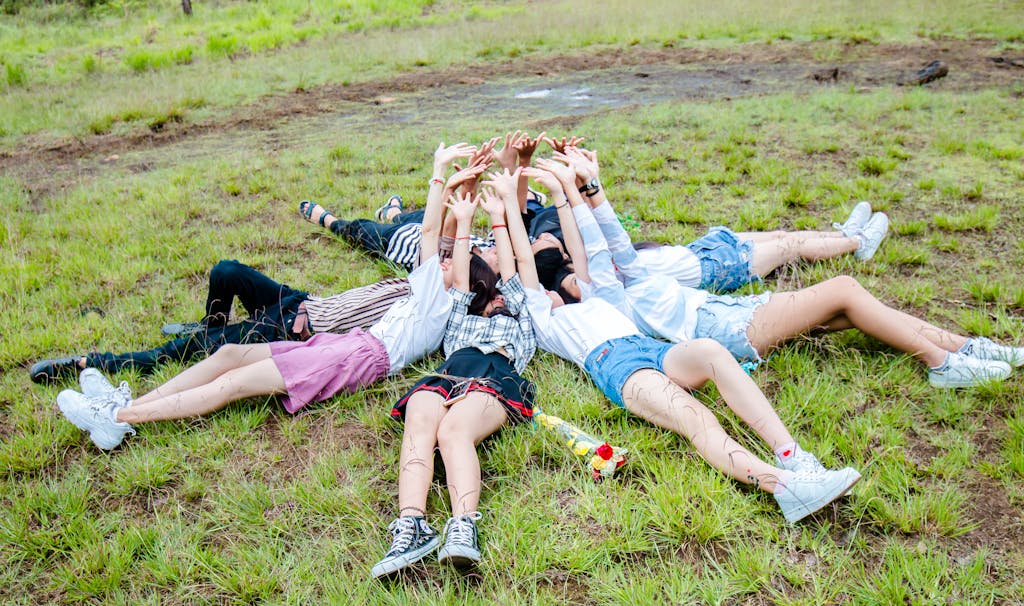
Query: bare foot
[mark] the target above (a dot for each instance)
(314, 213)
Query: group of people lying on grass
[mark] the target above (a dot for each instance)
(638, 322)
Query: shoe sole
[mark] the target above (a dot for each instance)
(460, 561)
(975, 382)
(381, 570)
(807, 509)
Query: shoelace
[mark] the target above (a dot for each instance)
(806, 460)
(460, 530)
(124, 392)
(404, 532)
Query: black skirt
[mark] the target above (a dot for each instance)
(468, 370)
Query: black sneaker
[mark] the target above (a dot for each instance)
(182, 329)
(461, 542)
(48, 371)
(414, 540)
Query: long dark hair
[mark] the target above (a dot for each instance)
(552, 268)
(483, 283)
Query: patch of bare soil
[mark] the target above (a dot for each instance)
(972, 64)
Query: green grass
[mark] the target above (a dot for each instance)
(148, 54)
(251, 505)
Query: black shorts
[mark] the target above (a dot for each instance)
(469, 370)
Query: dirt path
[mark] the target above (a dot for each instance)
(560, 85)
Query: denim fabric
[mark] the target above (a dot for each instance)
(612, 363)
(724, 260)
(725, 319)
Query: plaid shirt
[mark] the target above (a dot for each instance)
(491, 334)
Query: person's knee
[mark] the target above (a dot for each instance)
(845, 283)
(225, 270)
(229, 353)
(705, 350)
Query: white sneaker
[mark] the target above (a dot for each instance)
(858, 218)
(95, 415)
(800, 460)
(461, 542)
(966, 371)
(809, 491)
(94, 384)
(871, 236)
(986, 349)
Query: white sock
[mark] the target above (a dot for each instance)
(787, 450)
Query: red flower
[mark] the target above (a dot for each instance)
(605, 451)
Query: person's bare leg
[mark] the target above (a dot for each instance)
(256, 379)
(227, 358)
(765, 236)
(693, 363)
(842, 301)
(467, 423)
(423, 415)
(771, 253)
(653, 396)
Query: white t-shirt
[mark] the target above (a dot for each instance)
(677, 262)
(414, 326)
(573, 331)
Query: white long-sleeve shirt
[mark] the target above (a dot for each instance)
(573, 331)
(657, 303)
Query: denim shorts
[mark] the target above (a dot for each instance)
(725, 319)
(614, 361)
(724, 260)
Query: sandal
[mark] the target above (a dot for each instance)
(306, 210)
(394, 201)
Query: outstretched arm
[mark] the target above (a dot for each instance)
(566, 201)
(462, 209)
(503, 187)
(443, 157)
(525, 147)
(585, 164)
(495, 209)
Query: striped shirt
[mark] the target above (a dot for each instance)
(355, 308)
(404, 245)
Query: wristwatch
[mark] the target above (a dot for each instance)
(591, 187)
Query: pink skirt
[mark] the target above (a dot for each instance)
(327, 365)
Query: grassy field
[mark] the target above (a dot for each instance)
(251, 505)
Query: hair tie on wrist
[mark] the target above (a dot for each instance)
(493, 227)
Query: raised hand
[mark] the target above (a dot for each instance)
(465, 176)
(546, 178)
(505, 183)
(462, 208)
(485, 153)
(508, 155)
(566, 174)
(444, 156)
(526, 146)
(559, 145)
(493, 204)
(582, 161)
